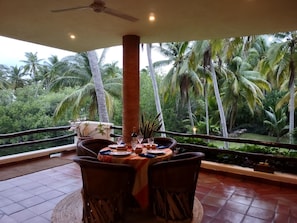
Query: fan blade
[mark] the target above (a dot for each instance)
(119, 14)
(70, 9)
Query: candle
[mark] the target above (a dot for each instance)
(194, 130)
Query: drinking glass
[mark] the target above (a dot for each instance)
(119, 140)
(133, 145)
(139, 138)
(150, 141)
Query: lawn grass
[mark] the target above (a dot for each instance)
(251, 136)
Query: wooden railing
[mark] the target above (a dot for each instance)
(246, 159)
(50, 134)
(280, 163)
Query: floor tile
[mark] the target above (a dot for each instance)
(268, 204)
(7, 219)
(42, 208)
(214, 201)
(293, 220)
(249, 219)
(12, 208)
(261, 213)
(31, 198)
(23, 215)
(242, 199)
(282, 209)
(294, 211)
(5, 201)
(32, 201)
(229, 216)
(37, 219)
(236, 207)
(281, 218)
(210, 211)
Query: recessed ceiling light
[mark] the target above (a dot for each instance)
(152, 17)
(72, 36)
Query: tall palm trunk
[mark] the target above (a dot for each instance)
(155, 87)
(99, 88)
(219, 102)
(292, 90)
(205, 89)
(190, 113)
(233, 114)
(291, 112)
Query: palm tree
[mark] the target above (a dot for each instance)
(78, 74)
(207, 50)
(16, 77)
(99, 88)
(196, 64)
(182, 77)
(282, 59)
(276, 121)
(155, 87)
(51, 69)
(243, 86)
(73, 71)
(110, 70)
(3, 77)
(32, 65)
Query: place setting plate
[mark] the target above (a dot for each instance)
(148, 145)
(156, 151)
(120, 153)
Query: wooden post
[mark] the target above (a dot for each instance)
(130, 85)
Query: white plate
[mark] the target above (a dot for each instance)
(120, 153)
(113, 146)
(146, 144)
(156, 151)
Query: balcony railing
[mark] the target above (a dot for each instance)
(247, 159)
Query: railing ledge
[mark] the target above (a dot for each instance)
(35, 154)
(276, 177)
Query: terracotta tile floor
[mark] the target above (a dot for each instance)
(31, 198)
(234, 199)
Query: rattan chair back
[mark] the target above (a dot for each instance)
(172, 186)
(106, 190)
(91, 147)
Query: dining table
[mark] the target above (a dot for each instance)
(140, 161)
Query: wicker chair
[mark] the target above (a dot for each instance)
(91, 147)
(106, 190)
(164, 141)
(172, 187)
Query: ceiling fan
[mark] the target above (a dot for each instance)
(99, 6)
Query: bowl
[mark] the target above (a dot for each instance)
(138, 150)
(121, 148)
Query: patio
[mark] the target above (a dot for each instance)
(225, 198)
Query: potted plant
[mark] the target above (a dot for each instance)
(264, 167)
(85, 130)
(149, 125)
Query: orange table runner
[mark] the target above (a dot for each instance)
(140, 187)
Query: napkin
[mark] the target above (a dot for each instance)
(162, 147)
(105, 152)
(147, 155)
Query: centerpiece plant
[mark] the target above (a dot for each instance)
(149, 125)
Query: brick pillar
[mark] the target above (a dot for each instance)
(131, 89)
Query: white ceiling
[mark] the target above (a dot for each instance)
(176, 20)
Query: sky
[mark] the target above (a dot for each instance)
(12, 52)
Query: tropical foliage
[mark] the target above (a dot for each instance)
(218, 86)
